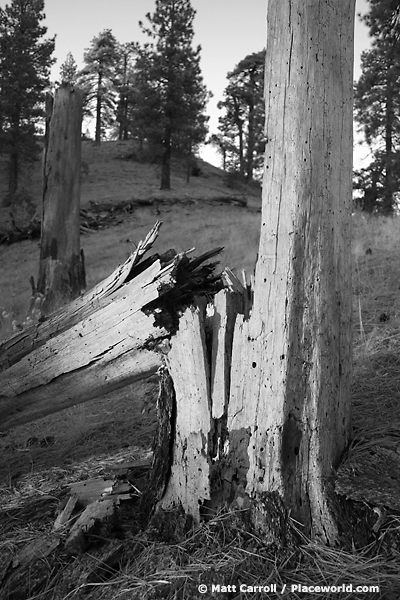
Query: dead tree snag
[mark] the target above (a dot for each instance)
(61, 269)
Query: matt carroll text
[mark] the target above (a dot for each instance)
(266, 589)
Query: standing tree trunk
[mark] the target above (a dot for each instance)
(251, 139)
(61, 270)
(265, 425)
(15, 159)
(291, 361)
(239, 124)
(97, 136)
(13, 173)
(390, 118)
(166, 160)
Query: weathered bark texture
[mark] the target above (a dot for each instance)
(198, 360)
(287, 421)
(188, 366)
(61, 269)
(102, 341)
(290, 398)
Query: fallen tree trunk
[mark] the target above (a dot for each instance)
(102, 341)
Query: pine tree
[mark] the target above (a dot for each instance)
(172, 96)
(69, 70)
(125, 86)
(25, 61)
(377, 107)
(97, 78)
(242, 124)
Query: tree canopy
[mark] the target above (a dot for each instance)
(171, 94)
(69, 70)
(241, 127)
(25, 61)
(97, 78)
(377, 109)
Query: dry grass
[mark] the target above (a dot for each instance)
(195, 222)
(221, 551)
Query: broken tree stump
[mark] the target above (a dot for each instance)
(190, 465)
(104, 340)
(61, 267)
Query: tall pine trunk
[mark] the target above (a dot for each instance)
(15, 158)
(166, 160)
(239, 124)
(13, 173)
(390, 117)
(98, 111)
(250, 141)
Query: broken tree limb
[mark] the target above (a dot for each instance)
(21, 344)
(103, 341)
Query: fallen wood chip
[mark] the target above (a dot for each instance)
(39, 548)
(90, 490)
(66, 513)
(125, 467)
(94, 514)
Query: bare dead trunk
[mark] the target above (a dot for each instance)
(292, 359)
(271, 433)
(61, 270)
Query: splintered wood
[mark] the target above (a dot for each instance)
(187, 364)
(199, 363)
(104, 340)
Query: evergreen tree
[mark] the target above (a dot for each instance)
(69, 70)
(377, 107)
(25, 61)
(242, 124)
(125, 86)
(171, 94)
(97, 78)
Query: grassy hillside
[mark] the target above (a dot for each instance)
(38, 459)
(192, 215)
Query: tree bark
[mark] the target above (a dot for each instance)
(97, 136)
(291, 361)
(239, 123)
(15, 157)
(166, 161)
(272, 430)
(390, 117)
(61, 269)
(13, 173)
(251, 138)
(102, 341)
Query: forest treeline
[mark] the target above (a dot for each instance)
(377, 111)
(154, 93)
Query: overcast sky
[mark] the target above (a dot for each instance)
(227, 31)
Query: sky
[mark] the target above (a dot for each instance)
(227, 31)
